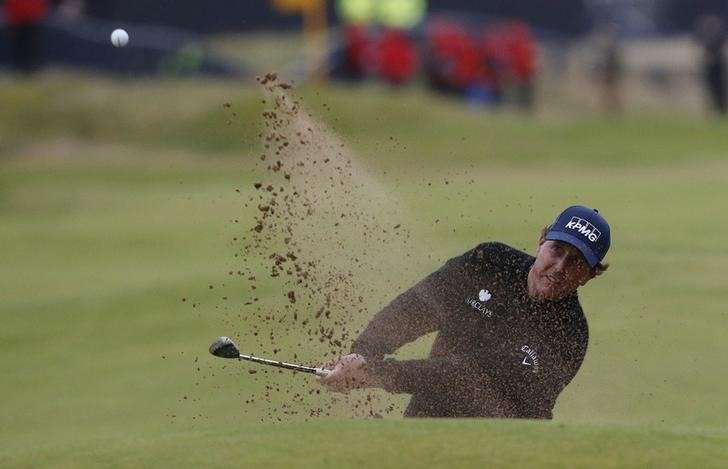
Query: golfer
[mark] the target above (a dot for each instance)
(511, 333)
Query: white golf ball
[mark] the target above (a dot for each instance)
(119, 38)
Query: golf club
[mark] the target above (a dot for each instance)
(224, 347)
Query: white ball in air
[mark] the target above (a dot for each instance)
(119, 38)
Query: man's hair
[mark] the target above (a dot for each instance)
(597, 270)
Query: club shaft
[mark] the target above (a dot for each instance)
(279, 364)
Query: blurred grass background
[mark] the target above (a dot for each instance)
(117, 200)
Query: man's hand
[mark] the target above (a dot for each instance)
(347, 373)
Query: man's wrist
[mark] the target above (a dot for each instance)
(375, 377)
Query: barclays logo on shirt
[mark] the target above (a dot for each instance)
(479, 304)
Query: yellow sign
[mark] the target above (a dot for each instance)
(404, 14)
(356, 11)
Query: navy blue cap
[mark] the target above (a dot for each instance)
(585, 229)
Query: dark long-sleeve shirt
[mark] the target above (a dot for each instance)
(498, 352)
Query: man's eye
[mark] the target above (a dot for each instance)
(577, 262)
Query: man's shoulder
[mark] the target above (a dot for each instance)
(496, 254)
(569, 327)
(577, 323)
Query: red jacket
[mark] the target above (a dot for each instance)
(25, 11)
(522, 47)
(458, 59)
(356, 49)
(397, 58)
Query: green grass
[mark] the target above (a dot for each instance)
(387, 443)
(117, 200)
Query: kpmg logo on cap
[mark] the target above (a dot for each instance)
(585, 228)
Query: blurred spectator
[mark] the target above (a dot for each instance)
(610, 69)
(451, 57)
(521, 50)
(456, 63)
(357, 44)
(377, 39)
(357, 17)
(510, 52)
(500, 61)
(494, 43)
(396, 57)
(24, 20)
(711, 34)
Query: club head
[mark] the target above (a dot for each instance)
(224, 347)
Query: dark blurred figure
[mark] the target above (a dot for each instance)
(357, 44)
(521, 47)
(353, 62)
(711, 34)
(378, 39)
(24, 25)
(611, 69)
(510, 51)
(498, 62)
(397, 57)
(452, 58)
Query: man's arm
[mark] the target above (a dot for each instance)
(436, 373)
(354, 371)
(416, 312)
(412, 314)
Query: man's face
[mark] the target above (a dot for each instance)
(559, 270)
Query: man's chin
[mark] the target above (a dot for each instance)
(547, 290)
